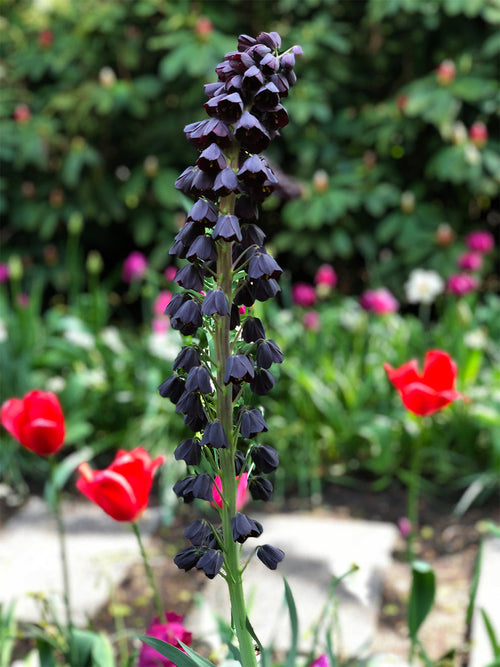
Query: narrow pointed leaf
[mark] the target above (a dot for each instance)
(423, 589)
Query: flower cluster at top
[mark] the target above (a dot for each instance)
(227, 271)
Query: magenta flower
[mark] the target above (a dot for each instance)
(326, 275)
(480, 241)
(172, 631)
(404, 526)
(303, 294)
(161, 302)
(470, 261)
(311, 320)
(134, 267)
(4, 272)
(170, 273)
(379, 301)
(461, 283)
(322, 661)
(242, 495)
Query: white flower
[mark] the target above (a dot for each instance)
(164, 345)
(93, 377)
(110, 336)
(80, 338)
(4, 334)
(55, 384)
(476, 339)
(423, 286)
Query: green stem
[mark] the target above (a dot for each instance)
(61, 532)
(149, 573)
(413, 496)
(232, 560)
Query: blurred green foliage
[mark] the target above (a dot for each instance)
(93, 102)
(378, 139)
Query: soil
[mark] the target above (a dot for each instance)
(449, 543)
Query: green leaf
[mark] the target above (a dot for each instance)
(495, 645)
(294, 623)
(423, 589)
(474, 585)
(46, 653)
(179, 658)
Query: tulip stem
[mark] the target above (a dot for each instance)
(61, 532)
(149, 573)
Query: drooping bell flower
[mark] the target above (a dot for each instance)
(122, 489)
(429, 391)
(36, 421)
(171, 631)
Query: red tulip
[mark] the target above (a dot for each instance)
(36, 420)
(122, 489)
(430, 391)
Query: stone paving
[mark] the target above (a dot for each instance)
(317, 547)
(100, 551)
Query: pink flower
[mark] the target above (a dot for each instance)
(470, 261)
(325, 275)
(4, 272)
(480, 241)
(404, 526)
(160, 325)
(379, 301)
(311, 320)
(161, 302)
(22, 113)
(446, 72)
(322, 661)
(478, 134)
(242, 495)
(462, 283)
(170, 273)
(134, 267)
(303, 294)
(242, 310)
(172, 631)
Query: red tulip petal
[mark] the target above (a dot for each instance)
(12, 416)
(137, 468)
(422, 400)
(440, 370)
(43, 404)
(112, 493)
(403, 375)
(42, 436)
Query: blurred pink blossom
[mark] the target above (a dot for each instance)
(160, 324)
(172, 631)
(134, 267)
(404, 526)
(322, 661)
(169, 273)
(470, 261)
(379, 301)
(480, 241)
(311, 320)
(161, 302)
(4, 272)
(242, 310)
(303, 294)
(326, 275)
(242, 494)
(23, 300)
(462, 283)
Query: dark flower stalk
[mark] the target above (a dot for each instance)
(228, 267)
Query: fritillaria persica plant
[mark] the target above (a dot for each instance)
(227, 354)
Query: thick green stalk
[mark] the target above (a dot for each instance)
(232, 560)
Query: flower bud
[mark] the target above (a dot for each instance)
(95, 263)
(445, 72)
